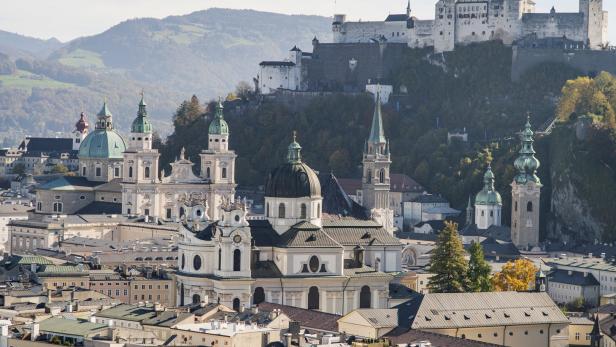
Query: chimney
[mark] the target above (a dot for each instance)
(34, 334)
(287, 340)
(255, 309)
(242, 308)
(92, 319)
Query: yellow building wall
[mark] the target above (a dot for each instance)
(577, 334)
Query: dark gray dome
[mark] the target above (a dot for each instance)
(293, 180)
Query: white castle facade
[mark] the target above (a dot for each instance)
(466, 21)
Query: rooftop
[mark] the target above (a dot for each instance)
(308, 319)
(456, 310)
(128, 312)
(61, 326)
(575, 278)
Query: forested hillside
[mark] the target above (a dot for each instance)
(206, 52)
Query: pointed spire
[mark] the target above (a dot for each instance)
(408, 8)
(526, 163)
(294, 151)
(219, 126)
(377, 134)
(141, 124)
(488, 179)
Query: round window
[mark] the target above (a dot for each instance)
(237, 217)
(199, 213)
(314, 263)
(197, 262)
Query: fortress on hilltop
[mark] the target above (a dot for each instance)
(467, 21)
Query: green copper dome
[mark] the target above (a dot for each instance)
(141, 124)
(488, 195)
(526, 163)
(219, 126)
(104, 142)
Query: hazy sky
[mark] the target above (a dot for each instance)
(68, 19)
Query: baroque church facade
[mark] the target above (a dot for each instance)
(467, 21)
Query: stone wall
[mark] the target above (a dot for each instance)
(587, 61)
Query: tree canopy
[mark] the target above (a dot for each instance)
(448, 263)
(517, 275)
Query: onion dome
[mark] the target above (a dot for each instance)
(526, 163)
(488, 195)
(219, 126)
(294, 179)
(82, 124)
(104, 142)
(141, 124)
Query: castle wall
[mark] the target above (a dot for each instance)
(354, 32)
(588, 62)
(350, 66)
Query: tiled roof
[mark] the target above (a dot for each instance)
(277, 63)
(593, 264)
(397, 18)
(61, 326)
(308, 319)
(336, 202)
(402, 336)
(357, 236)
(575, 278)
(62, 270)
(430, 199)
(380, 317)
(458, 310)
(365, 271)
(101, 207)
(502, 232)
(165, 319)
(306, 238)
(47, 145)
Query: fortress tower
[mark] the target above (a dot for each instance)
(595, 22)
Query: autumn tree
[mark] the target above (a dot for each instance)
(516, 275)
(59, 169)
(478, 270)
(585, 95)
(448, 263)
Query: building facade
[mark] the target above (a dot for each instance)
(296, 256)
(466, 21)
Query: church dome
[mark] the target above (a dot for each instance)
(488, 195)
(293, 179)
(104, 142)
(219, 126)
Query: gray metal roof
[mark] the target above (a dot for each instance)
(464, 310)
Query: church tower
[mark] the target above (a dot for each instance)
(376, 164)
(218, 162)
(140, 167)
(525, 194)
(408, 9)
(488, 203)
(81, 131)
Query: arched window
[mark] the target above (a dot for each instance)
(267, 213)
(83, 171)
(130, 171)
(117, 172)
(207, 173)
(318, 210)
(516, 206)
(258, 296)
(219, 259)
(281, 211)
(196, 299)
(236, 305)
(237, 260)
(98, 172)
(313, 298)
(377, 263)
(382, 176)
(197, 262)
(529, 207)
(224, 172)
(302, 212)
(57, 207)
(146, 172)
(369, 176)
(491, 213)
(365, 297)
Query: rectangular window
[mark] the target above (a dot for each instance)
(168, 213)
(146, 212)
(117, 172)
(98, 172)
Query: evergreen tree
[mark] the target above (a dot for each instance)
(448, 264)
(478, 270)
